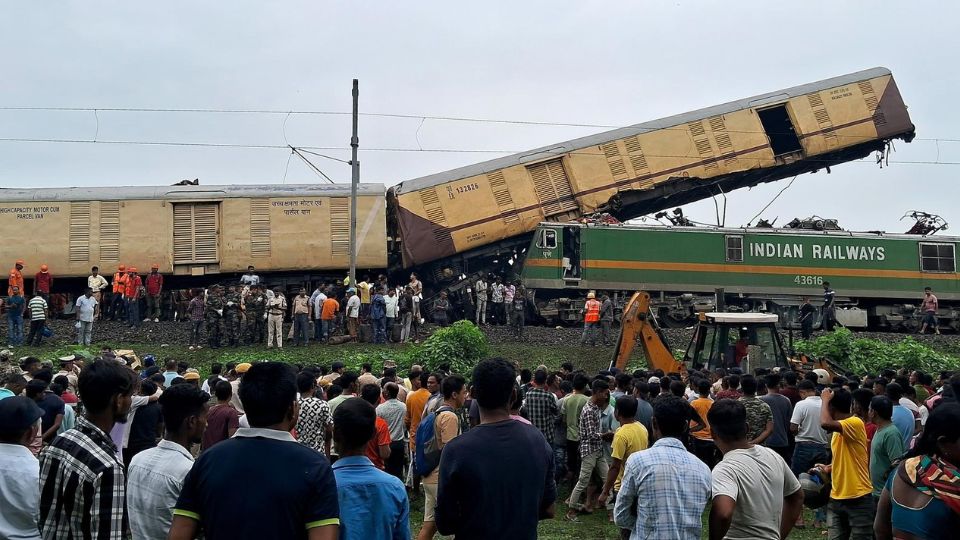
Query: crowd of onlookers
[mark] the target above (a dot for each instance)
(114, 448)
(248, 312)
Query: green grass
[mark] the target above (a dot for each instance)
(594, 526)
(591, 359)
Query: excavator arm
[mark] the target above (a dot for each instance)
(637, 322)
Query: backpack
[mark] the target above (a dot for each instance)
(427, 448)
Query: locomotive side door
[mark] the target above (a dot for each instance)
(571, 253)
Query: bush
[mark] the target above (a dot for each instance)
(462, 345)
(863, 355)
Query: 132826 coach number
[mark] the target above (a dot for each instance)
(808, 280)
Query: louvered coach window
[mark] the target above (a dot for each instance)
(196, 235)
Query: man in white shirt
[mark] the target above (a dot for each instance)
(19, 469)
(156, 475)
(755, 495)
(250, 278)
(353, 313)
(97, 284)
(393, 311)
(316, 309)
(812, 442)
(86, 313)
(481, 301)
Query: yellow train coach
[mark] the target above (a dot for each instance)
(191, 230)
(647, 167)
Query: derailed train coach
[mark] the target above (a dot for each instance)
(878, 278)
(192, 231)
(459, 221)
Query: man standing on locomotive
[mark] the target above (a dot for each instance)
(929, 306)
(829, 309)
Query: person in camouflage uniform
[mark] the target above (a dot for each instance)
(255, 307)
(212, 313)
(232, 304)
(759, 414)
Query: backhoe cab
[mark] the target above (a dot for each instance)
(745, 340)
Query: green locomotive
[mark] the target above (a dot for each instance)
(878, 277)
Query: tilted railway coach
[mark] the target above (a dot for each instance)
(192, 230)
(758, 269)
(457, 221)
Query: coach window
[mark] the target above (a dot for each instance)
(734, 248)
(937, 258)
(548, 239)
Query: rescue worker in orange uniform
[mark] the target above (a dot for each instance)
(117, 310)
(591, 319)
(131, 297)
(16, 278)
(43, 283)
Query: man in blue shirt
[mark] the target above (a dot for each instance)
(665, 488)
(373, 503)
(902, 417)
(15, 307)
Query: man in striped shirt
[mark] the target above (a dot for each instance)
(82, 485)
(38, 319)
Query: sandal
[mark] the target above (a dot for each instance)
(573, 518)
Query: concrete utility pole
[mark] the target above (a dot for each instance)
(354, 184)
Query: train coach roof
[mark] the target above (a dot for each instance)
(546, 152)
(185, 192)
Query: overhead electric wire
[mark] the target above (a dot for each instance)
(408, 116)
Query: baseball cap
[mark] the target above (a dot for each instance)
(18, 413)
(653, 380)
(242, 368)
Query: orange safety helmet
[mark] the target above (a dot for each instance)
(43, 268)
(133, 269)
(20, 262)
(121, 268)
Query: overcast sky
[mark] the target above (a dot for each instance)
(587, 62)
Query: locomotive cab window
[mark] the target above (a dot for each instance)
(937, 258)
(548, 239)
(779, 128)
(734, 248)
